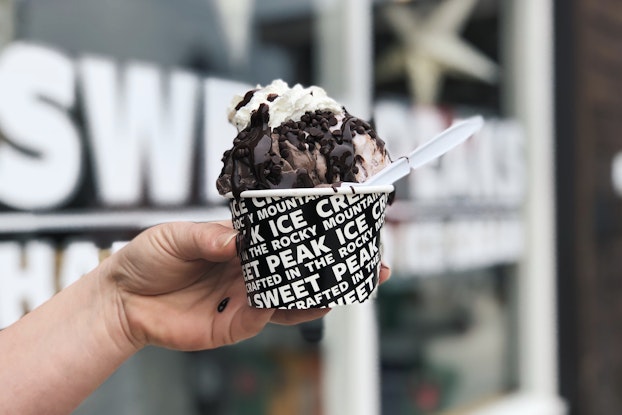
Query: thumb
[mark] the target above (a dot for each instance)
(211, 241)
(215, 241)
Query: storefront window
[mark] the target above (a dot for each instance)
(446, 320)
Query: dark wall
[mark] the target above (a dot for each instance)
(589, 135)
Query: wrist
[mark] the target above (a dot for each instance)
(112, 309)
(60, 352)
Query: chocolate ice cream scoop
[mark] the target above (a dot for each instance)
(297, 137)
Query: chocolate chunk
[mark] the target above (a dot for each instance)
(315, 132)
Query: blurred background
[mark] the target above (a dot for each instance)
(505, 253)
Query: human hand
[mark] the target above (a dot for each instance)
(171, 280)
(163, 288)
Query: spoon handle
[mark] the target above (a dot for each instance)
(390, 174)
(428, 151)
(444, 142)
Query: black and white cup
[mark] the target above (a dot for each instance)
(311, 247)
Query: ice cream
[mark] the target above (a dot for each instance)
(296, 137)
(304, 240)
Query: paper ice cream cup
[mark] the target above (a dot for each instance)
(311, 247)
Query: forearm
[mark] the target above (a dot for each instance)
(58, 354)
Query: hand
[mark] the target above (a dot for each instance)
(163, 288)
(171, 280)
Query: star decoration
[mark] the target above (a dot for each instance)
(431, 47)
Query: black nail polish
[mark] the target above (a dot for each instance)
(223, 304)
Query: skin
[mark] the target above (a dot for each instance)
(161, 289)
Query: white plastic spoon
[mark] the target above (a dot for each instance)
(428, 151)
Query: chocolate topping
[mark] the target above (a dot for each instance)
(305, 153)
(247, 98)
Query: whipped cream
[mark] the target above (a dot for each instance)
(284, 103)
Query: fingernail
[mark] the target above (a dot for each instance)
(226, 238)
